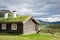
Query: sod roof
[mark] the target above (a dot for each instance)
(11, 19)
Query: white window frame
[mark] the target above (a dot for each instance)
(14, 26)
(3, 26)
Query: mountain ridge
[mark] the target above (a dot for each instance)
(58, 22)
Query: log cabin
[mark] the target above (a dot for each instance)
(18, 24)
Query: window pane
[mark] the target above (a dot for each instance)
(14, 27)
(4, 26)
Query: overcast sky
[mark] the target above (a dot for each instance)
(41, 8)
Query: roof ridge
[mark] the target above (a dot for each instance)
(27, 19)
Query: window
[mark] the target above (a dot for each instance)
(14, 27)
(4, 26)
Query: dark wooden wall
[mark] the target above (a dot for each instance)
(20, 27)
(8, 28)
(0, 27)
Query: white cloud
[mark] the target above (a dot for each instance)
(49, 19)
(56, 16)
(53, 18)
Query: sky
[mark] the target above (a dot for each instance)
(39, 8)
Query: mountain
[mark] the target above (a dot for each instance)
(48, 20)
(42, 22)
(58, 22)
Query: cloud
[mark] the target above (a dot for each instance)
(41, 8)
(53, 18)
(50, 19)
(56, 16)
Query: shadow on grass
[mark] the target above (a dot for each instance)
(9, 34)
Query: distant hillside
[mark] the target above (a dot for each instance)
(58, 22)
(49, 24)
(43, 22)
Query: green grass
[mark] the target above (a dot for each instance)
(8, 36)
(11, 19)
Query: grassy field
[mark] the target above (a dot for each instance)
(40, 36)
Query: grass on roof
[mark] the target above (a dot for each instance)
(11, 19)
